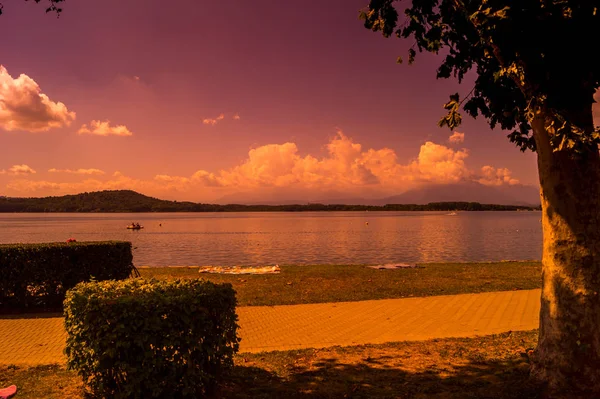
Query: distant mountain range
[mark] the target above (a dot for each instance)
(470, 192)
(458, 192)
(468, 196)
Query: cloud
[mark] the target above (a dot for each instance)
(214, 121)
(80, 171)
(346, 167)
(439, 164)
(491, 176)
(456, 138)
(99, 128)
(236, 117)
(23, 106)
(117, 182)
(18, 170)
(30, 186)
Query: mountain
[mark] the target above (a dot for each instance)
(100, 201)
(456, 192)
(287, 196)
(130, 201)
(468, 192)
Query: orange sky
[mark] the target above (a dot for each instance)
(257, 98)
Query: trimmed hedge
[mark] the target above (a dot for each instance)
(34, 276)
(151, 338)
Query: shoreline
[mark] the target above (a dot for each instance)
(367, 209)
(342, 265)
(295, 285)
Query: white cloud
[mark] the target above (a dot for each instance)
(491, 176)
(80, 171)
(439, 164)
(236, 117)
(212, 122)
(347, 167)
(18, 170)
(103, 128)
(456, 138)
(23, 106)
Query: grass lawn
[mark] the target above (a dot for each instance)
(485, 367)
(334, 283)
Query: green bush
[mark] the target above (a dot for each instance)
(149, 338)
(34, 276)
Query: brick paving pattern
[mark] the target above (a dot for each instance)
(34, 341)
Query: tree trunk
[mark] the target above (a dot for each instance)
(567, 359)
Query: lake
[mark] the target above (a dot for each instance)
(184, 239)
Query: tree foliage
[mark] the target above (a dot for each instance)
(526, 54)
(52, 7)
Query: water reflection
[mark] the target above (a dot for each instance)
(295, 238)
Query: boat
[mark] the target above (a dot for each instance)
(452, 214)
(136, 227)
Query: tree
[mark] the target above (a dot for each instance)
(52, 6)
(535, 75)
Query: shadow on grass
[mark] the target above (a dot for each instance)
(374, 378)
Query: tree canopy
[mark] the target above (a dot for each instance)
(526, 54)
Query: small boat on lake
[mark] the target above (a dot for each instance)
(135, 227)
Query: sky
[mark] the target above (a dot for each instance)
(196, 100)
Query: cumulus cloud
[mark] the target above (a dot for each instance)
(212, 122)
(103, 128)
(23, 106)
(456, 138)
(491, 176)
(80, 171)
(18, 170)
(346, 167)
(439, 164)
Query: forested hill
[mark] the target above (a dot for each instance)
(100, 201)
(130, 201)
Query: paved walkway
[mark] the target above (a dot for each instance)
(265, 328)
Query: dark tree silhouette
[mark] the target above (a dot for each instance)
(536, 75)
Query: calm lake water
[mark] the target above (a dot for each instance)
(294, 238)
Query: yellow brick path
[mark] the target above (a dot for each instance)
(31, 341)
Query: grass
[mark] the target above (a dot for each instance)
(334, 283)
(482, 367)
(493, 366)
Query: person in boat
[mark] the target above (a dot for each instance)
(137, 225)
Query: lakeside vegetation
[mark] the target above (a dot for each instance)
(341, 283)
(495, 366)
(478, 367)
(131, 201)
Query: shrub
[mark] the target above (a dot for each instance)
(149, 338)
(38, 275)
